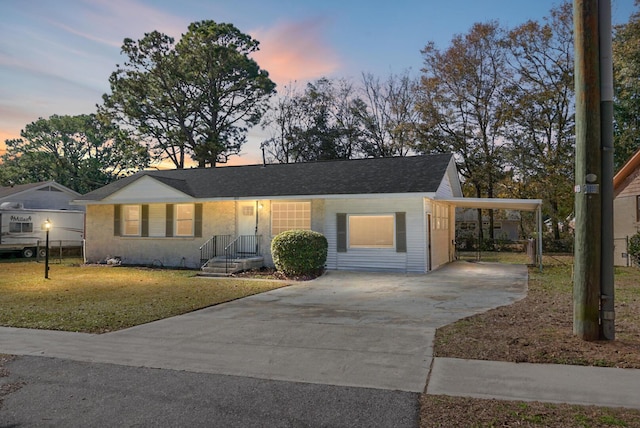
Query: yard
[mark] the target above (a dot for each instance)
(538, 329)
(99, 299)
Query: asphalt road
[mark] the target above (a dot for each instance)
(66, 393)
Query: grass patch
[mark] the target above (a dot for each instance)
(99, 299)
(445, 411)
(539, 328)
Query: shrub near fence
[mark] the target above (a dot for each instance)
(634, 248)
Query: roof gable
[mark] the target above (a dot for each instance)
(627, 175)
(19, 189)
(414, 174)
(150, 189)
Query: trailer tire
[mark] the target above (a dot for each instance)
(28, 253)
(42, 253)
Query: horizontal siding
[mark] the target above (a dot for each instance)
(377, 259)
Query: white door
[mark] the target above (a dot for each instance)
(247, 227)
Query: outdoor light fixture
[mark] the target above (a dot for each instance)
(47, 227)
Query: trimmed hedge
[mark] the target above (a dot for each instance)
(299, 252)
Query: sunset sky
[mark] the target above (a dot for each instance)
(56, 56)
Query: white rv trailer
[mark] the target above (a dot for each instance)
(21, 230)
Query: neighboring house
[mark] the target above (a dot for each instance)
(626, 208)
(377, 214)
(506, 225)
(44, 195)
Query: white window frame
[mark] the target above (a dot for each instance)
(295, 215)
(177, 221)
(126, 220)
(390, 216)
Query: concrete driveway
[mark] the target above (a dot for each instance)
(346, 328)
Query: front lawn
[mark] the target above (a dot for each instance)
(99, 299)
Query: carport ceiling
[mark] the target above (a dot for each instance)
(495, 203)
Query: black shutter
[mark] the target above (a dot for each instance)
(342, 232)
(401, 232)
(145, 220)
(116, 220)
(197, 227)
(169, 218)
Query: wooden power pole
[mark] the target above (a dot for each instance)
(588, 283)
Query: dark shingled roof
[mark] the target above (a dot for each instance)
(414, 174)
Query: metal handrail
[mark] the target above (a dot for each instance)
(214, 247)
(243, 245)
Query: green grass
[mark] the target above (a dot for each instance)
(101, 299)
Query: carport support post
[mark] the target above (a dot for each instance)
(539, 218)
(587, 260)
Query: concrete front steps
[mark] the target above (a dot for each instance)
(220, 267)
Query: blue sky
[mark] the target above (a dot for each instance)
(56, 56)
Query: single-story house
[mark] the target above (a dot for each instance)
(378, 214)
(386, 214)
(47, 195)
(626, 208)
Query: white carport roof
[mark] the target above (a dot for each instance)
(495, 203)
(505, 204)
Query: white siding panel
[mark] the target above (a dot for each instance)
(378, 259)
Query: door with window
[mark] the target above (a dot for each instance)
(247, 222)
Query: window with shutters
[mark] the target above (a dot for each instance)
(290, 215)
(131, 220)
(184, 219)
(371, 231)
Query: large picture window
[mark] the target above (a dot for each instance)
(131, 216)
(290, 215)
(184, 219)
(371, 231)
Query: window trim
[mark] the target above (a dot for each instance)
(638, 208)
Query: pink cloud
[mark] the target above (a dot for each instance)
(295, 51)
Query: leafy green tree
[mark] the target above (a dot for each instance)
(80, 152)
(626, 71)
(541, 114)
(463, 108)
(197, 97)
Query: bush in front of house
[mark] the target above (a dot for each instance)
(634, 248)
(299, 252)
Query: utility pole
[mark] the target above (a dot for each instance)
(587, 252)
(607, 309)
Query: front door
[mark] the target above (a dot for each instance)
(247, 221)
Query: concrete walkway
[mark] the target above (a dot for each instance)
(345, 329)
